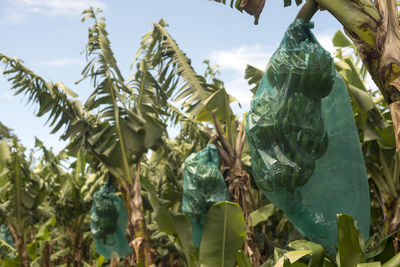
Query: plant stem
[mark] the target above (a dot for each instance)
(121, 137)
(141, 245)
(18, 201)
(308, 10)
(353, 18)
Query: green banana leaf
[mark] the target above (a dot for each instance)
(223, 235)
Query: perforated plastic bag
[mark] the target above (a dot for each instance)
(203, 186)
(6, 235)
(306, 156)
(108, 223)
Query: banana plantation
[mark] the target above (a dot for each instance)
(308, 176)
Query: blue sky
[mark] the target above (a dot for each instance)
(49, 36)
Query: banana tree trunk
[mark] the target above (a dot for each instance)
(383, 59)
(238, 182)
(383, 63)
(76, 246)
(46, 252)
(137, 231)
(392, 213)
(20, 243)
(141, 243)
(375, 31)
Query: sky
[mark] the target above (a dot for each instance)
(49, 37)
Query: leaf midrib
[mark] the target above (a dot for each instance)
(224, 237)
(182, 61)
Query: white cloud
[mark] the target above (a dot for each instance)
(13, 17)
(237, 58)
(18, 11)
(240, 89)
(325, 39)
(62, 62)
(232, 63)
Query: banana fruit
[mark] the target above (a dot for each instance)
(104, 216)
(296, 135)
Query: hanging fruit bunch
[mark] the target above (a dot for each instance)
(305, 151)
(109, 220)
(104, 214)
(203, 186)
(300, 75)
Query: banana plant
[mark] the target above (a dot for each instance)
(373, 27)
(68, 201)
(205, 99)
(377, 139)
(29, 199)
(119, 122)
(21, 193)
(5, 132)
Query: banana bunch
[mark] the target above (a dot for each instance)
(296, 134)
(307, 72)
(285, 126)
(106, 219)
(104, 214)
(300, 135)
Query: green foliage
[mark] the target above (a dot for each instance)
(242, 260)
(351, 250)
(350, 243)
(233, 3)
(21, 191)
(5, 132)
(171, 223)
(289, 2)
(375, 128)
(7, 250)
(253, 76)
(262, 214)
(121, 119)
(199, 97)
(223, 235)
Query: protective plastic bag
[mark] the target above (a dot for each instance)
(306, 156)
(6, 235)
(108, 223)
(203, 186)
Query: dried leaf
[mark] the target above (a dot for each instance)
(395, 112)
(253, 7)
(388, 43)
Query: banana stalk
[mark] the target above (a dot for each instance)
(375, 31)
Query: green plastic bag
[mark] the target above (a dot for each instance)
(306, 156)
(203, 186)
(6, 235)
(109, 220)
